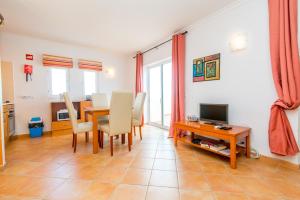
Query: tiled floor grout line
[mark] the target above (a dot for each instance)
(151, 173)
(177, 179)
(177, 171)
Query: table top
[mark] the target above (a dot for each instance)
(236, 130)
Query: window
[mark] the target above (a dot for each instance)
(58, 81)
(89, 82)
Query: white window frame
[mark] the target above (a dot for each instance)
(96, 81)
(50, 91)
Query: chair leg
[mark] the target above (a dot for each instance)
(75, 142)
(134, 130)
(86, 136)
(99, 139)
(102, 138)
(123, 138)
(129, 141)
(141, 137)
(111, 145)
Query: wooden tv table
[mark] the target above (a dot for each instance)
(200, 128)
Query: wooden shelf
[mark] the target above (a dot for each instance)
(56, 106)
(65, 126)
(188, 140)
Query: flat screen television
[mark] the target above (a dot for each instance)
(214, 113)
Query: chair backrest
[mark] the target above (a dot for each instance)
(99, 100)
(139, 106)
(72, 112)
(120, 115)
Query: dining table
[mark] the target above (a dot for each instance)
(95, 113)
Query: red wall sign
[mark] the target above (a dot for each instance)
(29, 57)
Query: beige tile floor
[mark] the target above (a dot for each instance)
(46, 168)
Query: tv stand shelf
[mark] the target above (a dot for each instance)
(188, 139)
(200, 128)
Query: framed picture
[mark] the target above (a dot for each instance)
(198, 70)
(206, 68)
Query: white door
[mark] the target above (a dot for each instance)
(159, 91)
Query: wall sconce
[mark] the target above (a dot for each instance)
(110, 72)
(238, 42)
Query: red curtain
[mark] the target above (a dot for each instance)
(139, 76)
(286, 74)
(139, 73)
(178, 95)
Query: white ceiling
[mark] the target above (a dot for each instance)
(123, 26)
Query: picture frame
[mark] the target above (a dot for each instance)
(206, 68)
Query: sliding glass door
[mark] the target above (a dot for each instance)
(155, 91)
(159, 90)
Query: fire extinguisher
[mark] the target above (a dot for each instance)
(28, 71)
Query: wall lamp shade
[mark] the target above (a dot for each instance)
(238, 42)
(1, 20)
(110, 72)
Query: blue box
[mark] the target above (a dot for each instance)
(36, 126)
(36, 132)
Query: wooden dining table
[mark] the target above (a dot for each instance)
(95, 113)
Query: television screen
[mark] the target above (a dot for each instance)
(214, 112)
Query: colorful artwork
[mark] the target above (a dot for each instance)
(198, 70)
(206, 68)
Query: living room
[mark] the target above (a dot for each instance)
(160, 56)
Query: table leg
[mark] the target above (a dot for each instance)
(123, 138)
(102, 138)
(129, 140)
(248, 148)
(95, 134)
(175, 136)
(233, 152)
(87, 136)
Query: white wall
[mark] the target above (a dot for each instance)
(14, 47)
(246, 79)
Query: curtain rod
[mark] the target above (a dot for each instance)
(185, 32)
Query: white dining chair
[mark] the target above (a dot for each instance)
(138, 109)
(120, 118)
(100, 100)
(84, 127)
